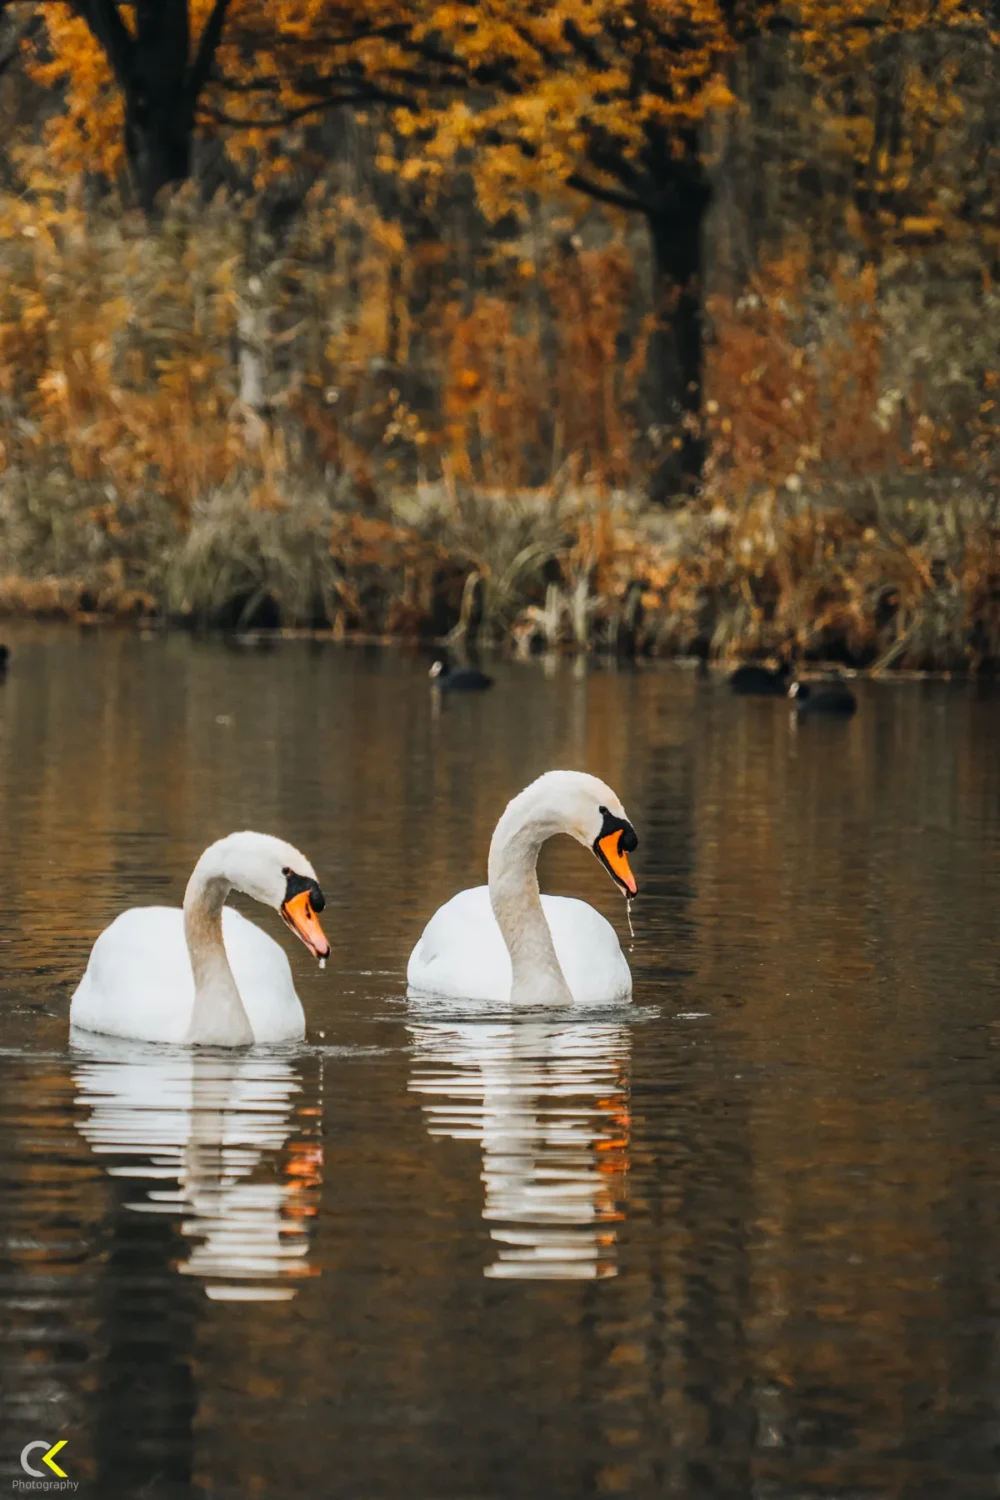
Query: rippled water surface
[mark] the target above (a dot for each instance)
(739, 1239)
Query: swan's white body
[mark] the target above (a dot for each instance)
(506, 943)
(462, 952)
(139, 982)
(204, 974)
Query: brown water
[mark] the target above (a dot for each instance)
(742, 1239)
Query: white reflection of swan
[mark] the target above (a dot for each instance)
(207, 1123)
(548, 1100)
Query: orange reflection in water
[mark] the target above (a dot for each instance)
(548, 1102)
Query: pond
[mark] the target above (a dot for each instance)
(741, 1238)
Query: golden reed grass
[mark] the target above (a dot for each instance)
(343, 435)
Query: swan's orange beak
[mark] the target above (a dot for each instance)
(297, 913)
(613, 856)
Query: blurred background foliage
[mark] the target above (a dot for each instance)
(666, 326)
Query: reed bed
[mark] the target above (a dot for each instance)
(341, 432)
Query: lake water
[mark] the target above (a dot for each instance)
(739, 1239)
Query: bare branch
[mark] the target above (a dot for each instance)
(270, 85)
(365, 94)
(607, 195)
(208, 45)
(583, 45)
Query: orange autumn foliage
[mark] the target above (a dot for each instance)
(609, 96)
(140, 81)
(803, 393)
(605, 94)
(533, 380)
(407, 376)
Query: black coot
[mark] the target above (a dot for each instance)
(764, 682)
(458, 679)
(825, 698)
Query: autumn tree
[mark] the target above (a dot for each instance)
(139, 81)
(606, 97)
(610, 97)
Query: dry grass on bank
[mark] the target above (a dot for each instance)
(890, 583)
(347, 435)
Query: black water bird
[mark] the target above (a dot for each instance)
(458, 679)
(4, 659)
(829, 698)
(761, 682)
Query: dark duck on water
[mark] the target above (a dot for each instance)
(828, 698)
(458, 679)
(764, 682)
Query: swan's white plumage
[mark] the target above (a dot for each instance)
(462, 954)
(505, 943)
(139, 983)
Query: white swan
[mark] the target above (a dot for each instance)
(205, 975)
(506, 943)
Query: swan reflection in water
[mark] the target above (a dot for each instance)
(239, 1161)
(549, 1103)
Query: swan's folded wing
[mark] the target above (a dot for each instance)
(138, 981)
(463, 955)
(461, 952)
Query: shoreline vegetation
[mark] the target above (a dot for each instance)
(426, 370)
(495, 471)
(814, 587)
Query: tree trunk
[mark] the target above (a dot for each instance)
(159, 109)
(676, 352)
(158, 80)
(252, 336)
(158, 147)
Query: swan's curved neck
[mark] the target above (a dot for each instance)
(536, 977)
(218, 1017)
